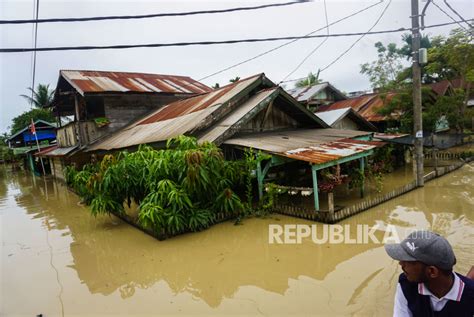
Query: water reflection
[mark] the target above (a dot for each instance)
(235, 263)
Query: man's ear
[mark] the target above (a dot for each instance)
(432, 271)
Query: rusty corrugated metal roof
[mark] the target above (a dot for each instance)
(316, 146)
(101, 81)
(176, 118)
(367, 106)
(331, 151)
(186, 106)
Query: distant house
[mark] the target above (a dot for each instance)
(346, 119)
(251, 113)
(367, 106)
(24, 143)
(317, 95)
(99, 102)
(25, 139)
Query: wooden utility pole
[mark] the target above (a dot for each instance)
(417, 117)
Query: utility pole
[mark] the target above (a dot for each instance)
(417, 117)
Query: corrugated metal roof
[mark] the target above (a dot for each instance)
(60, 151)
(186, 106)
(315, 146)
(367, 106)
(174, 119)
(305, 93)
(123, 82)
(227, 123)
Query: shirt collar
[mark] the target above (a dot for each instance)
(454, 293)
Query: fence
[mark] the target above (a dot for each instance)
(338, 215)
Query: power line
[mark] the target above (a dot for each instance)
(287, 43)
(448, 15)
(147, 16)
(360, 38)
(206, 43)
(455, 12)
(34, 60)
(314, 50)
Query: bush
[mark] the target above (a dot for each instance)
(180, 188)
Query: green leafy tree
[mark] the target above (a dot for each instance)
(384, 72)
(310, 80)
(41, 97)
(25, 118)
(453, 58)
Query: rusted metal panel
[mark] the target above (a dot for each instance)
(331, 151)
(186, 106)
(122, 82)
(234, 117)
(315, 146)
(283, 141)
(367, 106)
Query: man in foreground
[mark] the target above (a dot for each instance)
(428, 286)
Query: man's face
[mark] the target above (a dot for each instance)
(414, 271)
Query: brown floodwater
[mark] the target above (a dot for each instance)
(58, 260)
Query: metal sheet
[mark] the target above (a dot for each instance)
(367, 106)
(98, 81)
(61, 151)
(174, 119)
(305, 93)
(314, 146)
(280, 142)
(224, 125)
(332, 116)
(186, 106)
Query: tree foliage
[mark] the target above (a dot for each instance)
(310, 80)
(383, 72)
(42, 96)
(181, 188)
(24, 119)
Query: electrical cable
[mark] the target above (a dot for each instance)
(314, 50)
(206, 43)
(287, 43)
(448, 15)
(455, 12)
(34, 55)
(147, 16)
(360, 38)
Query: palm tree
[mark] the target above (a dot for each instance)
(311, 80)
(42, 97)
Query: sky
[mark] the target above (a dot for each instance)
(199, 61)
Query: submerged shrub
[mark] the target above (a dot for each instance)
(180, 188)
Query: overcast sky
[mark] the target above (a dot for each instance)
(197, 61)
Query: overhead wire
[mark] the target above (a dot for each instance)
(33, 76)
(448, 15)
(312, 51)
(207, 43)
(358, 40)
(455, 12)
(155, 15)
(287, 43)
(32, 44)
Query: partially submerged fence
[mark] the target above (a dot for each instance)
(338, 215)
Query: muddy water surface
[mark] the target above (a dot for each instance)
(58, 260)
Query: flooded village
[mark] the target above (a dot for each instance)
(143, 193)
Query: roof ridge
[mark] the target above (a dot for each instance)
(122, 72)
